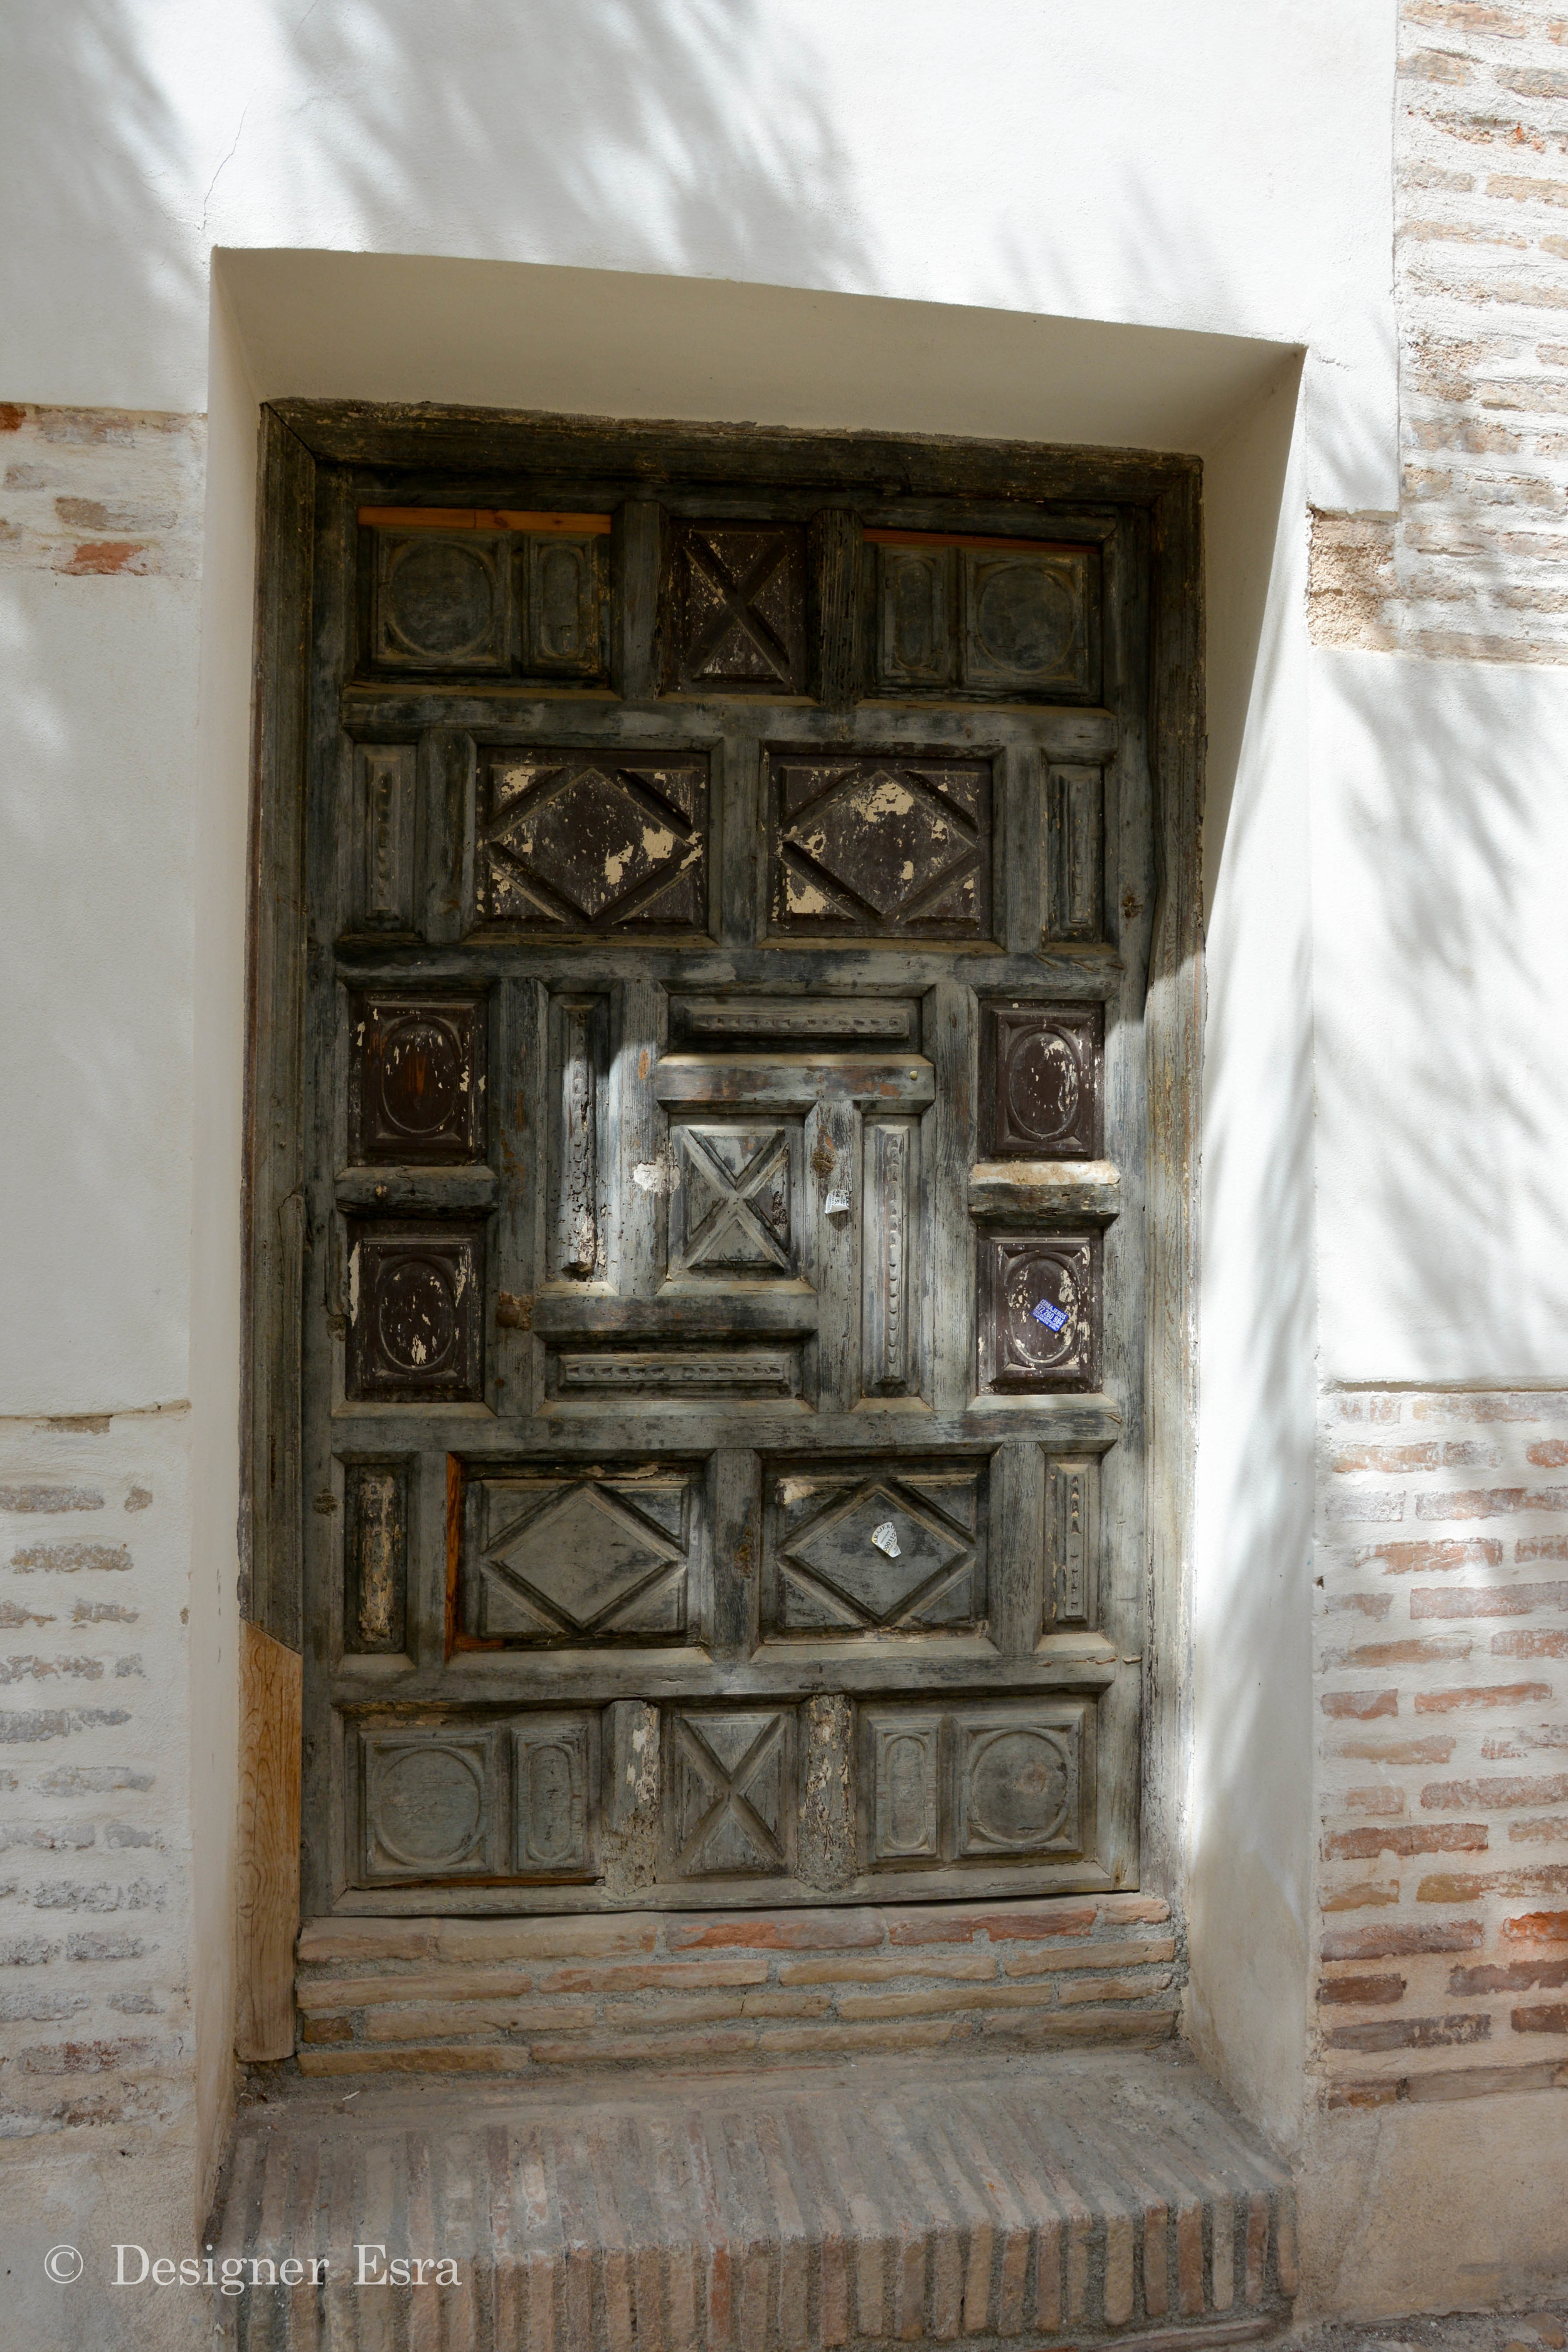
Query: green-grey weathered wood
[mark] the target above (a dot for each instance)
(1125, 503)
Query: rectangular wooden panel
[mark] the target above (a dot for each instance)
(1072, 1540)
(917, 636)
(998, 619)
(739, 1019)
(981, 1784)
(431, 1804)
(897, 847)
(441, 601)
(739, 1372)
(565, 625)
(555, 1796)
(267, 1897)
(735, 1213)
(376, 1556)
(1039, 1311)
(558, 1557)
(853, 1548)
(795, 1082)
(579, 1071)
(731, 1795)
(1074, 841)
(570, 843)
(733, 609)
(386, 803)
(417, 1078)
(415, 1322)
(1040, 1080)
(891, 1258)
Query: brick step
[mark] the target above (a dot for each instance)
(1032, 2200)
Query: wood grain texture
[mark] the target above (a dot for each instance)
(268, 1900)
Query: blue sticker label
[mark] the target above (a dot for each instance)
(1055, 1318)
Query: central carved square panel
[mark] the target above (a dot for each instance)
(732, 1214)
(570, 841)
(564, 1558)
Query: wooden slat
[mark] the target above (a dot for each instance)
(573, 525)
(1004, 1188)
(270, 1691)
(794, 1081)
(970, 538)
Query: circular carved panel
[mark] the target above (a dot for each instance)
(440, 600)
(416, 1316)
(1019, 1790)
(1051, 1283)
(1043, 1088)
(430, 1807)
(421, 1078)
(1023, 618)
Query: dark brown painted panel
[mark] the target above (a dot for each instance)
(571, 842)
(415, 1332)
(733, 609)
(416, 1078)
(897, 848)
(1025, 1284)
(1040, 1081)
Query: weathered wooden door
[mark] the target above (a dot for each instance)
(724, 1275)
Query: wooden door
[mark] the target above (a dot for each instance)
(724, 1275)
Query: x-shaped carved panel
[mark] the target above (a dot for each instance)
(728, 1792)
(732, 1213)
(736, 609)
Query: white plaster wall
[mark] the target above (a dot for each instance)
(1222, 168)
(1250, 1793)
(1439, 845)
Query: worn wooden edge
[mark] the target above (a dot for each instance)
(576, 526)
(273, 1167)
(876, 538)
(1174, 1045)
(372, 433)
(271, 1680)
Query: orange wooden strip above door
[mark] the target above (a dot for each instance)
(574, 526)
(966, 539)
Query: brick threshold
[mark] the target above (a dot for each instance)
(1036, 2201)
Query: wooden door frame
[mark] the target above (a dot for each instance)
(298, 437)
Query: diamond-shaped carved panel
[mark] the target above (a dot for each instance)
(730, 1791)
(897, 848)
(559, 1559)
(570, 843)
(731, 1215)
(902, 1551)
(734, 606)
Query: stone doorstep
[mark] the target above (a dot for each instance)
(1030, 2201)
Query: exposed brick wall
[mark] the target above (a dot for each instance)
(1443, 1708)
(94, 1775)
(1475, 566)
(90, 492)
(518, 1996)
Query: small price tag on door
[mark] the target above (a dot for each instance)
(886, 1539)
(1055, 1318)
(836, 1205)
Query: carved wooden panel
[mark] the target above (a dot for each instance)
(566, 1557)
(386, 811)
(416, 1078)
(555, 1781)
(1039, 1311)
(739, 1371)
(732, 1018)
(1007, 623)
(898, 848)
(1007, 1780)
(905, 1761)
(735, 608)
(917, 642)
(849, 1549)
(1072, 1540)
(1016, 1782)
(579, 1051)
(891, 1257)
(376, 1556)
(430, 1805)
(730, 1790)
(733, 1213)
(442, 602)
(416, 1324)
(1075, 853)
(1040, 1081)
(573, 843)
(563, 634)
